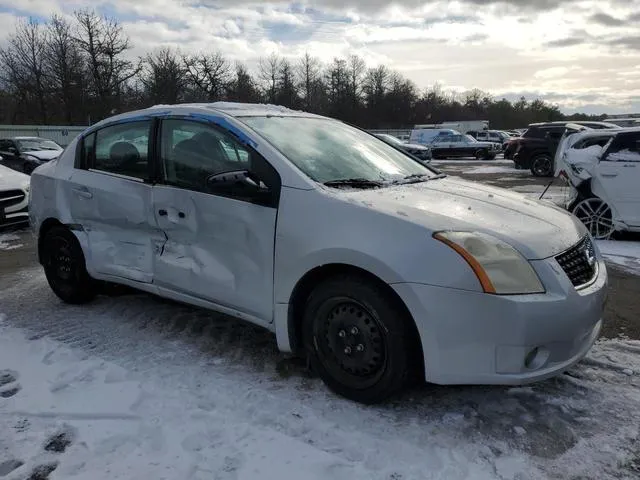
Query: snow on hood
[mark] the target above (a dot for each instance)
(10, 179)
(44, 154)
(537, 229)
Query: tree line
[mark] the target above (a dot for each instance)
(78, 71)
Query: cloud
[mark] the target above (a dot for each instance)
(606, 19)
(569, 49)
(567, 42)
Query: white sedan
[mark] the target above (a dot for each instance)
(14, 197)
(356, 255)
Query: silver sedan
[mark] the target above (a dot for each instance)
(361, 259)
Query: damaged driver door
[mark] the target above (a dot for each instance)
(220, 229)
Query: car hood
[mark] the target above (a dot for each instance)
(538, 229)
(44, 154)
(10, 179)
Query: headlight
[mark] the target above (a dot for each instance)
(500, 268)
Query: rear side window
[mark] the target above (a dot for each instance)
(533, 132)
(121, 149)
(624, 148)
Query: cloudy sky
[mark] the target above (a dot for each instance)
(582, 55)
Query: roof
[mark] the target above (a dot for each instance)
(236, 109)
(578, 122)
(612, 132)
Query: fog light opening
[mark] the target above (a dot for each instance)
(536, 358)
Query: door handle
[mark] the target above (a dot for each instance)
(162, 212)
(181, 214)
(629, 165)
(83, 193)
(609, 175)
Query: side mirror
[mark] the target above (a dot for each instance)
(237, 182)
(12, 150)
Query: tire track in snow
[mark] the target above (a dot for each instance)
(222, 368)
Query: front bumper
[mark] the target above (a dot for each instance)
(476, 338)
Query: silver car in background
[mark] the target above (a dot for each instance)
(357, 256)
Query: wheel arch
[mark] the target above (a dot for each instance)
(315, 276)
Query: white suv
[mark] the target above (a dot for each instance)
(359, 257)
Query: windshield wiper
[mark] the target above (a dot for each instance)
(354, 182)
(417, 178)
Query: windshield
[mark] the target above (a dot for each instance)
(35, 144)
(328, 150)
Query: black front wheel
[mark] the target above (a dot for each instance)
(64, 267)
(356, 338)
(542, 166)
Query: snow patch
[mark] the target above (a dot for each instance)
(7, 242)
(492, 169)
(621, 253)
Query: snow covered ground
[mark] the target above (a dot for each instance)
(9, 241)
(135, 387)
(624, 254)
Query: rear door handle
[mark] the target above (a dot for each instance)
(609, 175)
(83, 193)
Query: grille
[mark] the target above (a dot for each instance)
(579, 262)
(8, 198)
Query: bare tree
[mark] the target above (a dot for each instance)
(163, 77)
(64, 67)
(308, 73)
(103, 43)
(209, 73)
(23, 66)
(269, 69)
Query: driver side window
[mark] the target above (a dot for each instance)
(192, 151)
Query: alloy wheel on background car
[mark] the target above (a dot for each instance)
(597, 216)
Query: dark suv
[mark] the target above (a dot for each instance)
(537, 146)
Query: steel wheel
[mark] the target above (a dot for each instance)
(350, 342)
(542, 166)
(64, 267)
(596, 216)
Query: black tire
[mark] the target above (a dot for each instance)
(542, 165)
(481, 154)
(65, 268)
(490, 156)
(350, 312)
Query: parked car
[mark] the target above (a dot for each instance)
(364, 261)
(463, 146)
(537, 146)
(603, 168)
(493, 136)
(24, 154)
(419, 151)
(14, 197)
(425, 136)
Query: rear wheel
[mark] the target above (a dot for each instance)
(355, 336)
(596, 215)
(542, 166)
(64, 267)
(481, 154)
